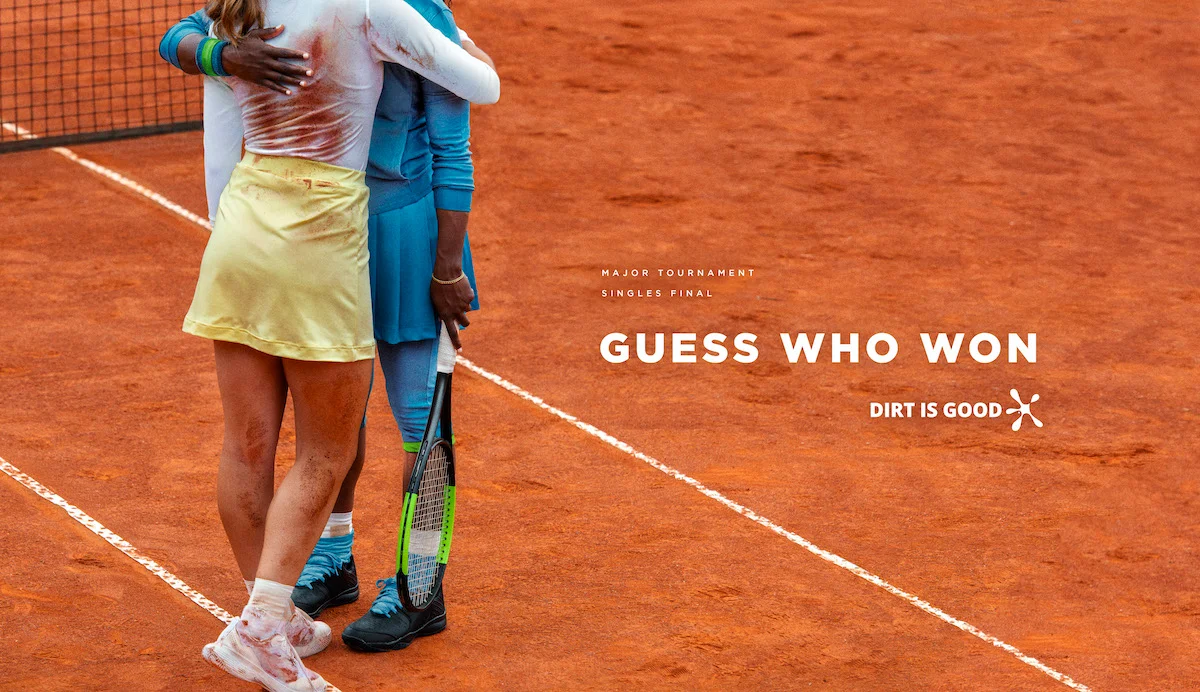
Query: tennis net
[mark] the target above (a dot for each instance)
(88, 70)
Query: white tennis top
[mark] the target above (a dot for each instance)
(348, 40)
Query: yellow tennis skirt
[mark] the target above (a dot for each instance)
(286, 268)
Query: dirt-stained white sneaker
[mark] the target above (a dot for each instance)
(256, 650)
(306, 635)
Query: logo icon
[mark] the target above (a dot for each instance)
(1023, 410)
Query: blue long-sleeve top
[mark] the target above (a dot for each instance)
(420, 139)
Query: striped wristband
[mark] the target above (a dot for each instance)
(208, 57)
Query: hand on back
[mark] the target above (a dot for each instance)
(256, 61)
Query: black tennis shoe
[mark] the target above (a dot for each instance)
(389, 627)
(324, 584)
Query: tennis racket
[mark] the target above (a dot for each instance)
(428, 520)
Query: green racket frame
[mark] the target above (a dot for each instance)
(439, 412)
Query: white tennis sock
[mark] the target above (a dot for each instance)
(271, 598)
(339, 524)
(249, 585)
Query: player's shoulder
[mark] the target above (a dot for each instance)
(438, 5)
(437, 13)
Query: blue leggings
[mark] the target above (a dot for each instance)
(409, 372)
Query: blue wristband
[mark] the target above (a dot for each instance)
(218, 59)
(209, 57)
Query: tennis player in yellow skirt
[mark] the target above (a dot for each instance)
(286, 269)
(284, 291)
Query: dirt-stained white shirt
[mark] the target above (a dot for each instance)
(348, 41)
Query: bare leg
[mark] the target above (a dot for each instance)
(410, 460)
(329, 400)
(345, 498)
(253, 395)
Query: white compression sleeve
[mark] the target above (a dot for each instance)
(399, 34)
(222, 140)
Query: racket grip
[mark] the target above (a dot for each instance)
(445, 352)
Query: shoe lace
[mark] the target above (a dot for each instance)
(326, 559)
(388, 600)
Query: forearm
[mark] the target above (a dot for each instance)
(448, 119)
(475, 51)
(399, 34)
(452, 233)
(178, 45)
(186, 54)
(449, 123)
(252, 59)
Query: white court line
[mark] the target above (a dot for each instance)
(115, 177)
(117, 542)
(122, 545)
(74, 512)
(678, 475)
(763, 521)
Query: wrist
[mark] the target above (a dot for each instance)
(447, 268)
(210, 57)
(449, 280)
(231, 59)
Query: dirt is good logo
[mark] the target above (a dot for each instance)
(1023, 410)
(957, 410)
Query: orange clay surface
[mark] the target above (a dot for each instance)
(897, 167)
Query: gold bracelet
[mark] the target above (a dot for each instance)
(454, 281)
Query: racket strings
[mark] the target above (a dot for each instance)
(427, 527)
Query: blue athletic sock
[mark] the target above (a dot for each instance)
(329, 555)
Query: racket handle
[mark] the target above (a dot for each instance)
(445, 352)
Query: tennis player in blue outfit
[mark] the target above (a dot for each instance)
(421, 181)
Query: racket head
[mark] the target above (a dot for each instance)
(427, 524)
(427, 528)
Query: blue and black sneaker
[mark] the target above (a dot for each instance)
(389, 627)
(329, 578)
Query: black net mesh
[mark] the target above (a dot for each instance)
(86, 71)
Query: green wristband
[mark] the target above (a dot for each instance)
(208, 57)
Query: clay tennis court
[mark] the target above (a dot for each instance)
(884, 167)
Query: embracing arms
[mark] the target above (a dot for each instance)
(399, 34)
(447, 117)
(448, 121)
(252, 59)
(476, 52)
(396, 32)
